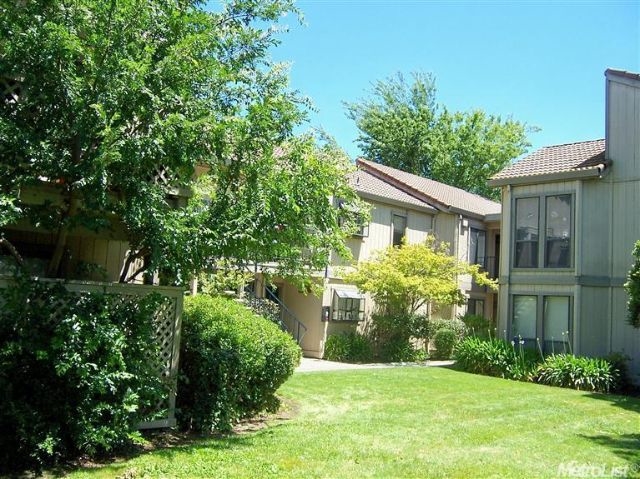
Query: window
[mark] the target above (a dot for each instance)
(353, 214)
(525, 318)
(477, 246)
(558, 232)
(556, 323)
(526, 237)
(475, 306)
(543, 317)
(347, 306)
(363, 226)
(557, 225)
(399, 225)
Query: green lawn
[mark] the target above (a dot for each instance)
(415, 422)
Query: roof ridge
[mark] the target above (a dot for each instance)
(374, 166)
(462, 190)
(569, 144)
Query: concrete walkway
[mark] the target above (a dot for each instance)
(311, 365)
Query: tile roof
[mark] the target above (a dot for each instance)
(433, 191)
(571, 157)
(369, 185)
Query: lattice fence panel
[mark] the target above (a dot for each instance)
(167, 333)
(9, 90)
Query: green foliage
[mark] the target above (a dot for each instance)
(350, 347)
(78, 372)
(633, 289)
(223, 277)
(569, 371)
(402, 126)
(623, 383)
(436, 324)
(231, 364)
(478, 325)
(495, 357)
(121, 104)
(403, 279)
(392, 336)
(444, 340)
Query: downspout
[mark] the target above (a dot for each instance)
(577, 258)
(456, 252)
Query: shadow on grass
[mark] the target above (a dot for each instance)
(170, 445)
(630, 403)
(625, 446)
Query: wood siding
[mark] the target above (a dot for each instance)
(607, 224)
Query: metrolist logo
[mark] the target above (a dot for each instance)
(590, 470)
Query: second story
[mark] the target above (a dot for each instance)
(407, 205)
(544, 203)
(569, 211)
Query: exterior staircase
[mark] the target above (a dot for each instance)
(272, 307)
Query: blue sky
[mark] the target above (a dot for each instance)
(541, 63)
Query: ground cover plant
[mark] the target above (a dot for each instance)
(412, 422)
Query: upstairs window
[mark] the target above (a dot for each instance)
(558, 232)
(526, 238)
(399, 227)
(477, 246)
(551, 215)
(349, 211)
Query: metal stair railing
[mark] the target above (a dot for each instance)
(288, 320)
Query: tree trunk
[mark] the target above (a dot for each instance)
(53, 269)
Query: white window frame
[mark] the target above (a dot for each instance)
(347, 306)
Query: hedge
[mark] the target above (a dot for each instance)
(232, 361)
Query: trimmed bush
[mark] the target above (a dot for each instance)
(495, 357)
(436, 324)
(77, 372)
(444, 341)
(569, 371)
(348, 347)
(231, 364)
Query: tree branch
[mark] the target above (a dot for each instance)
(141, 269)
(12, 250)
(130, 259)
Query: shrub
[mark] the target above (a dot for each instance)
(495, 357)
(623, 383)
(231, 364)
(478, 325)
(392, 337)
(77, 372)
(349, 347)
(569, 371)
(444, 341)
(434, 325)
